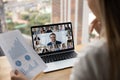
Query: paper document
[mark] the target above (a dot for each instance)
(21, 56)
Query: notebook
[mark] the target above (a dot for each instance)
(54, 43)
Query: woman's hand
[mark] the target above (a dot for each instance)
(16, 75)
(95, 24)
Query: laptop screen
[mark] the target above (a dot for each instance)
(52, 38)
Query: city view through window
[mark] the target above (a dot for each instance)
(22, 14)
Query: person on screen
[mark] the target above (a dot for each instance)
(63, 46)
(48, 30)
(36, 38)
(69, 33)
(53, 40)
(35, 31)
(56, 28)
(42, 30)
(51, 48)
(57, 47)
(69, 42)
(38, 50)
(61, 28)
(45, 49)
(37, 41)
(67, 27)
(38, 46)
(70, 45)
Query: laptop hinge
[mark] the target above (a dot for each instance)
(57, 53)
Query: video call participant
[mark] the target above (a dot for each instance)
(35, 31)
(61, 28)
(57, 47)
(63, 46)
(56, 28)
(37, 47)
(49, 30)
(67, 27)
(69, 42)
(51, 48)
(53, 40)
(36, 38)
(45, 50)
(42, 30)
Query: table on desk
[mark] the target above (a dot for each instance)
(63, 74)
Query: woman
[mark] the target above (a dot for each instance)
(101, 58)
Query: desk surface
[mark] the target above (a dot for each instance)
(5, 69)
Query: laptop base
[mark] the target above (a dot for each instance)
(53, 66)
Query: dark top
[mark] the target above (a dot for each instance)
(45, 50)
(56, 43)
(48, 31)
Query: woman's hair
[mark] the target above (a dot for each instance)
(110, 18)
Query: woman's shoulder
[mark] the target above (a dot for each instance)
(95, 48)
(95, 52)
(93, 61)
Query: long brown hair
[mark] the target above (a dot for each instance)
(110, 18)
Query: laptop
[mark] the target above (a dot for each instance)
(54, 43)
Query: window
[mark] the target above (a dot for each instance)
(69, 10)
(22, 14)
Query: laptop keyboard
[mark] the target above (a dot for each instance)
(58, 57)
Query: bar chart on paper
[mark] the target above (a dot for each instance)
(17, 49)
